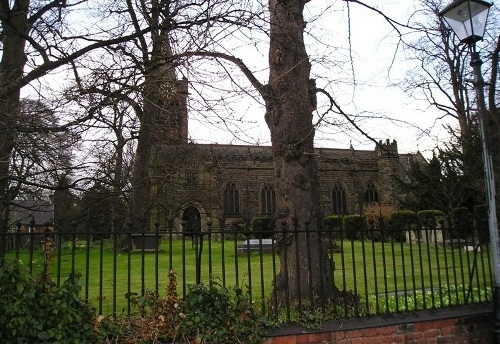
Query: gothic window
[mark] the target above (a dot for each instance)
(268, 200)
(231, 199)
(339, 201)
(371, 194)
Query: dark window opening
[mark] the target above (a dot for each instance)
(339, 201)
(371, 194)
(268, 200)
(231, 199)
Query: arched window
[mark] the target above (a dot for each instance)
(268, 200)
(231, 199)
(371, 194)
(339, 201)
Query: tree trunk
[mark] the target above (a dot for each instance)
(11, 70)
(306, 271)
(159, 71)
(138, 205)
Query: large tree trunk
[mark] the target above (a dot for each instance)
(306, 270)
(138, 205)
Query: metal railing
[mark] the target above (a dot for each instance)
(406, 271)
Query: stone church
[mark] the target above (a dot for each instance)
(196, 183)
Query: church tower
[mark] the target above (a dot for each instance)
(171, 120)
(388, 168)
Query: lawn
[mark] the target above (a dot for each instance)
(381, 274)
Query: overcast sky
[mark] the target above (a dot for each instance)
(364, 92)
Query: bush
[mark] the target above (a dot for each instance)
(263, 227)
(430, 218)
(404, 219)
(376, 217)
(332, 222)
(400, 222)
(353, 225)
(215, 314)
(207, 314)
(461, 222)
(37, 311)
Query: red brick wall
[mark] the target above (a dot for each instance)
(429, 329)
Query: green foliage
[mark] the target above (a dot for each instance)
(210, 313)
(217, 315)
(157, 318)
(430, 218)
(401, 221)
(353, 225)
(481, 222)
(332, 222)
(443, 296)
(404, 219)
(461, 222)
(449, 180)
(36, 311)
(263, 227)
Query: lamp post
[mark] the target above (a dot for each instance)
(467, 19)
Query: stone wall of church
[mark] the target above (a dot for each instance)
(196, 175)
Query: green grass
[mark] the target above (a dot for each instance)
(376, 272)
(135, 271)
(441, 276)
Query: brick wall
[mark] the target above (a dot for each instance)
(461, 325)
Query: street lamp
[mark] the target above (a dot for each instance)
(467, 18)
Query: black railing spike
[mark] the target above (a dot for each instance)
(377, 265)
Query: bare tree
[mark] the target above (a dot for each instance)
(36, 39)
(290, 98)
(146, 75)
(444, 77)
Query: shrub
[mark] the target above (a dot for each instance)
(461, 222)
(263, 227)
(37, 311)
(400, 222)
(333, 223)
(430, 218)
(217, 315)
(157, 318)
(404, 219)
(207, 314)
(353, 225)
(376, 217)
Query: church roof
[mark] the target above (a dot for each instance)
(240, 152)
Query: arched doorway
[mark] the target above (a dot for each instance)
(192, 217)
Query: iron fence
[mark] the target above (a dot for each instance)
(374, 271)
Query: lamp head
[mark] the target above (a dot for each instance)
(467, 19)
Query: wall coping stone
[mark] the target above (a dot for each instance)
(464, 311)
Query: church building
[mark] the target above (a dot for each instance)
(197, 183)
